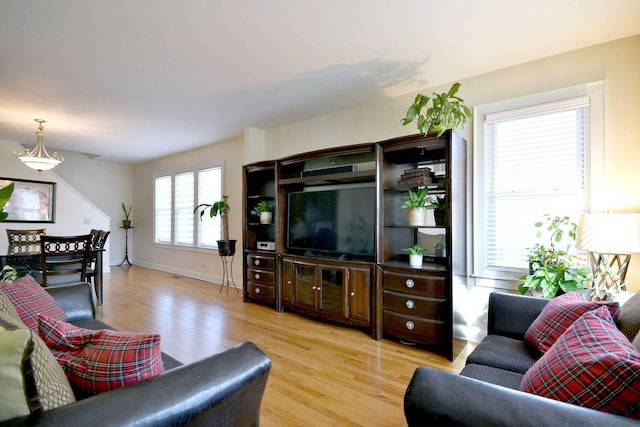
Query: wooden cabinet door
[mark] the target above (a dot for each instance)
(305, 287)
(332, 290)
(360, 295)
(289, 277)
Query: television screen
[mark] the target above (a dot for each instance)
(338, 221)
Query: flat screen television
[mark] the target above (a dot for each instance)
(335, 221)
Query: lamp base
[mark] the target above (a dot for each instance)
(609, 271)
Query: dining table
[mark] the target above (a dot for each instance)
(30, 258)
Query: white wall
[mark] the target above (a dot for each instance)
(74, 215)
(616, 63)
(197, 263)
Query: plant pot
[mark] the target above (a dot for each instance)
(439, 215)
(417, 217)
(226, 247)
(126, 223)
(415, 260)
(441, 253)
(266, 217)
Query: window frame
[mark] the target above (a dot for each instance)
(507, 278)
(195, 243)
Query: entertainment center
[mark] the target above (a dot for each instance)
(335, 247)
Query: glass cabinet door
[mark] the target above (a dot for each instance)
(333, 290)
(306, 288)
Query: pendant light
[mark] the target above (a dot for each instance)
(38, 158)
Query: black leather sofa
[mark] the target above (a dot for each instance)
(486, 391)
(222, 390)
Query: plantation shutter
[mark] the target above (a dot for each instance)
(536, 163)
(163, 194)
(209, 191)
(184, 203)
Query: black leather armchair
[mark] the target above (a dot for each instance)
(222, 390)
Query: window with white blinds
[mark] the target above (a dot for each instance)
(175, 198)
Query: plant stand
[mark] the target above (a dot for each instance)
(227, 271)
(126, 246)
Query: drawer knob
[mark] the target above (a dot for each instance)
(410, 325)
(313, 287)
(409, 283)
(256, 261)
(410, 304)
(257, 276)
(257, 290)
(288, 282)
(353, 294)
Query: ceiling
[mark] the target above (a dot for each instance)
(130, 81)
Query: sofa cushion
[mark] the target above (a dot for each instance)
(492, 375)
(629, 319)
(558, 315)
(593, 365)
(30, 299)
(503, 353)
(102, 360)
(7, 307)
(30, 376)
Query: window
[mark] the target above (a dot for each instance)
(175, 198)
(533, 158)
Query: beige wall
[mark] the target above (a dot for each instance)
(198, 263)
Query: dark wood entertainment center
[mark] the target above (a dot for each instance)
(368, 284)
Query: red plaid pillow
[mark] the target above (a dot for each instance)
(101, 360)
(30, 299)
(558, 315)
(593, 365)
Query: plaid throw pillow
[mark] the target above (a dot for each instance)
(558, 315)
(30, 299)
(593, 365)
(101, 360)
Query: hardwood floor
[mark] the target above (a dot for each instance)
(322, 374)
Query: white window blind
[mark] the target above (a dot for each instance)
(184, 203)
(535, 163)
(209, 191)
(163, 195)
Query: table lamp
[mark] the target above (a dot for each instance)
(610, 239)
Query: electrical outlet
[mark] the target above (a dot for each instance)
(87, 221)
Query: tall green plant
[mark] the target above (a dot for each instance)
(5, 195)
(439, 112)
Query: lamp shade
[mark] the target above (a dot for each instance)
(609, 233)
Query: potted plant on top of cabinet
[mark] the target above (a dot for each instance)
(438, 204)
(264, 211)
(439, 112)
(416, 205)
(553, 268)
(226, 247)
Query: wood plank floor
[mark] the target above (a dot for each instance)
(322, 374)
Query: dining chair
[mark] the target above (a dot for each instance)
(24, 241)
(64, 259)
(98, 240)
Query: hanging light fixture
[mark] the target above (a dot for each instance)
(38, 158)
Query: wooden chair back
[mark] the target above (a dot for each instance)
(24, 241)
(64, 259)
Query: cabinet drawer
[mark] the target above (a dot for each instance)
(424, 331)
(261, 292)
(261, 276)
(415, 284)
(415, 306)
(263, 262)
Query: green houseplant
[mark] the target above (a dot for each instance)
(438, 204)
(416, 253)
(416, 205)
(553, 268)
(126, 222)
(441, 248)
(264, 211)
(226, 247)
(439, 112)
(5, 195)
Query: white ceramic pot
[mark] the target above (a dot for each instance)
(417, 217)
(415, 260)
(266, 217)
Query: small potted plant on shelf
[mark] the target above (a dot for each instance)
(226, 247)
(438, 204)
(441, 249)
(439, 112)
(552, 268)
(126, 222)
(264, 211)
(416, 205)
(416, 252)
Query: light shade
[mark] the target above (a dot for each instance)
(38, 158)
(609, 233)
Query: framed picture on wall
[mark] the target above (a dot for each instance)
(31, 201)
